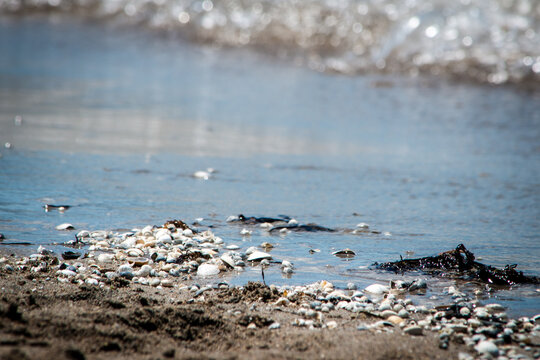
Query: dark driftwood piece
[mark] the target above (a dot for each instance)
(461, 262)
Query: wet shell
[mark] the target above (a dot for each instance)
(345, 253)
(258, 256)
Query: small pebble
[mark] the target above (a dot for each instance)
(274, 326)
(413, 330)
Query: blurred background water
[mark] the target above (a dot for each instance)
(112, 106)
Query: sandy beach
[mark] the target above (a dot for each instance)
(47, 314)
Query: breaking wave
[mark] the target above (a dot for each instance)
(494, 41)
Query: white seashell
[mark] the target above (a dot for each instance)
(204, 175)
(135, 252)
(362, 226)
(286, 263)
(65, 226)
(258, 256)
(266, 225)
(377, 289)
(207, 270)
(274, 326)
(67, 273)
(331, 324)
(246, 232)
(83, 234)
(228, 260)
(105, 257)
(154, 282)
(164, 239)
(41, 250)
(91, 281)
(487, 347)
(167, 283)
(232, 218)
(187, 232)
(218, 240)
(144, 271)
(293, 222)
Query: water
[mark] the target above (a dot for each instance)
(116, 119)
(495, 41)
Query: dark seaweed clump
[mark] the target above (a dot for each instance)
(461, 262)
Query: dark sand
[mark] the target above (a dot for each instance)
(41, 318)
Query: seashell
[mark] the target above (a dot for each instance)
(65, 226)
(232, 247)
(246, 232)
(396, 320)
(251, 250)
(258, 256)
(274, 326)
(345, 253)
(267, 245)
(377, 289)
(362, 226)
(487, 348)
(144, 271)
(105, 257)
(207, 270)
(167, 283)
(228, 260)
(137, 261)
(83, 234)
(204, 175)
(134, 252)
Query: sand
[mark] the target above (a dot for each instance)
(42, 318)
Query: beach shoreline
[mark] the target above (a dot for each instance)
(46, 314)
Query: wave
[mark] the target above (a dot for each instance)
(494, 41)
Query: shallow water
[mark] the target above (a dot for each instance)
(115, 121)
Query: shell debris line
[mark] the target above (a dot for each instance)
(174, 256)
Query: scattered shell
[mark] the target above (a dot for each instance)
(65, 226)
(137, 261)
(204, 175)
(258, 256)
(487, 347)
(396, 320)
(232, 247)
(274, 326)
(362, 226)
(245, 232)
(267, 245)
(207, 270)
(377, 289)
(105, 257)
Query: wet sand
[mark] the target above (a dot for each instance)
(42, 318)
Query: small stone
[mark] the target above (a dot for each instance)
(331, 324)
(252, 326)
(413, 330)
(487, 347)
(396, 320)
(494, 308)
(65, 226)
(274, 326)
(387, 313)
(465, 312)
(167, 283)
(403, 314)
